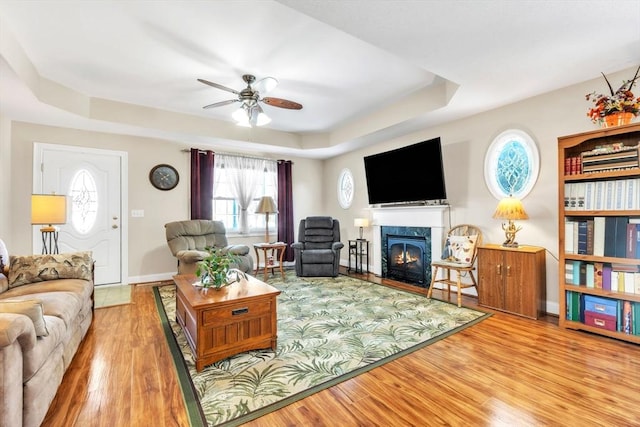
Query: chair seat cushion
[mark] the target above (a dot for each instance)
(317, 256)
(451, 264)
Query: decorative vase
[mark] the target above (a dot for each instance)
(617, 119)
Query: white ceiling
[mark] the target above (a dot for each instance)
(352, 64)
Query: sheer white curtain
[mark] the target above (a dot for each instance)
(245, 175)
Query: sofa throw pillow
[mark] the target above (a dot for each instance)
(39, 268)
(31, 308)
(459, 249)
(4, 257)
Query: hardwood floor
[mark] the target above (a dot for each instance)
(504, 371)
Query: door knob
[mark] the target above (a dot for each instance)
(114, 226)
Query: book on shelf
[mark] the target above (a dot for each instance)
(621, 236)
(615, 232)
(589, 279)
(568, 237)
(609, 277)
(624, 157)
(611, 195)
(582, 237)
(627, 319)
(598, 202)
(632, 194)
(589, 195)
(632, 241)
(573, 306)
(606, 277)
(619, 195)
(568, 272)
(598, 268)
(577, 271)
(611, 236)
(598, 235)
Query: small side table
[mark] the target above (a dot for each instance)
(359, 250)
(272, 254)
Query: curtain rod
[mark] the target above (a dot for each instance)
(186, 150)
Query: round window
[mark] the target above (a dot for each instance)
(511, 165)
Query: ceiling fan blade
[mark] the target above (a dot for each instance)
(265, 85)
(282, 103)
(218, 86)
(221, 103)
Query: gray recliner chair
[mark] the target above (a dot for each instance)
(188, 241)
(317, 251)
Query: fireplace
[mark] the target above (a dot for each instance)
(430, 222)
(406, 258)
(406, 254)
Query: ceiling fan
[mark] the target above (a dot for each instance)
(250, 112)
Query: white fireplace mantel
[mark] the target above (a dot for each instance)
(434, 217)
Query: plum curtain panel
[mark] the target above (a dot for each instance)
(201, 184)
(285, 206)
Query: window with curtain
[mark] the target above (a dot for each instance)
(239, 184)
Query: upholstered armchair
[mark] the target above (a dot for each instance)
(188, 241)
(317, 251)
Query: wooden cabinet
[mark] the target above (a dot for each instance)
(598, 182)
(512, 279)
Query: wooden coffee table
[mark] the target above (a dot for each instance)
(220, 324)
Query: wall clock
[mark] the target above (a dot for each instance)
(345, 188)
(164, 177)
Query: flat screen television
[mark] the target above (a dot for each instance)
(414, 173)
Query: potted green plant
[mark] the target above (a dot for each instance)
(214, 269)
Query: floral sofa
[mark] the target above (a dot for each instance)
(46, 308)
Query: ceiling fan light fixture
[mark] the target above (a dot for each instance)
(241, 115)
(250, 112)
(262, 119)
(247, 117)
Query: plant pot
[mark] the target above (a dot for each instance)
(617, 119)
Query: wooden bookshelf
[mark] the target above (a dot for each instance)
(573, 146)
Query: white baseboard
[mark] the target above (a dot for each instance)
(152, 278)
(553, 308)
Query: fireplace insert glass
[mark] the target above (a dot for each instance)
(406, 258)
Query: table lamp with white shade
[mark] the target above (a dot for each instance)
(362, 223)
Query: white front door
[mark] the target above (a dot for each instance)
(92, 180)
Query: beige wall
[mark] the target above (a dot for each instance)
(465, 143)
(149, 258)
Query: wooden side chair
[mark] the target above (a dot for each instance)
(459, 255)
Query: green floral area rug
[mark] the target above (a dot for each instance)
(329, 330)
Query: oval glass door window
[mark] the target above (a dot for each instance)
(84, 201)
